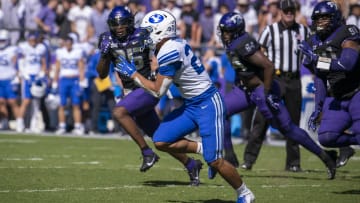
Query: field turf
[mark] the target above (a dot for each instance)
(69, 169)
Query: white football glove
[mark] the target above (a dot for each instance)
(84, 83)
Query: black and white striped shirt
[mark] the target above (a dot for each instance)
(281, 45)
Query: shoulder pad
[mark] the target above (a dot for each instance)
(245, 45)
(352, 32)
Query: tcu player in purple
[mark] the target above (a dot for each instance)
(255, 86)
(137, 107)
(332, 53)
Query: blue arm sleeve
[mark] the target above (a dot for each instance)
(346, 62)
(170, 69)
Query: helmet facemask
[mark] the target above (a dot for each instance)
(322, 25)
(231, 26)
(121, 28)
(121, 23)
(227, 35)
(326, 18)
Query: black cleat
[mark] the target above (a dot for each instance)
(231, 157)
(194, 173)
(293, 168)
(344, 156)
(329, 158)
(149, 161)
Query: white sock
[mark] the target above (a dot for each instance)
(62, 125)
(78, 125)
(20, 120)
(241, 189)
(199, 149)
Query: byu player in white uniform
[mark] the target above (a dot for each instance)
(203, 107)
(32, 68)
(70, 79)
(9, 80)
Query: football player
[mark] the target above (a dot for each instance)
(332, 54)
(255, 86)
(70, 81)
(9, 80)
(136, 109)
(203, 107)
(32, 68)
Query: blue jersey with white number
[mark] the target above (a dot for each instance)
(177, 60)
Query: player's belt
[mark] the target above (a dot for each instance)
(290, 75)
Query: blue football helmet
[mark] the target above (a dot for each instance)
(233, 24)
(121, 22)
(326, 18)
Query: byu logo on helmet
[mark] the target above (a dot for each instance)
(156, 18)
(160, 24)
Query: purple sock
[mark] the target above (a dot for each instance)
(190, 164)
(147, 151)
(227, 136)
(302, 137)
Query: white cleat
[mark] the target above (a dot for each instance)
(60, 131)
(246, 197)
(78, 131)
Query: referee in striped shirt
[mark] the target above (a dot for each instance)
(279, 42)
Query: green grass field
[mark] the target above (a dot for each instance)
(73, 169)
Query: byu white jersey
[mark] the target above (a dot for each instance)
(86, 47)
(32, 56)
(189, 76)
(69, 61)
(7, 65)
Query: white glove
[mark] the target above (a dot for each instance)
(25, 76)
(54, 85)
(84, 83)
(15, 81)
(40, 75)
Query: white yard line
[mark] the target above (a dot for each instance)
(23, 159)
(33, 167)
(291, 186)
(20, 141)
(141, 186)
(87, 162)
(95, 188)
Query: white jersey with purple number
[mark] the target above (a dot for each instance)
(69, 61)
(190, 77)
(31, 63)
(7, 65)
